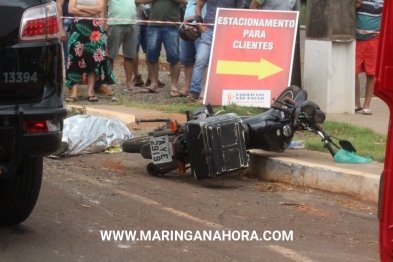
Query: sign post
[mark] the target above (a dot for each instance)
(251, 58)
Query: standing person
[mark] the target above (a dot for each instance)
(288, 5)
(205, 42)
(246, 4)
(86, 53)
(188, 53)
(62, 7)
(158, 34)
(368, 21)
(122, 30)
(141, 41)
(142, 14)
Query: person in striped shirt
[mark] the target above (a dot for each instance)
(368, 21)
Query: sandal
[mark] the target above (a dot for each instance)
(175, 93)
(92, 99)
(367, 111)
(131, 90)
(160, 84)
(183, 94)
(71, 99)
(148, 90)
(357, 109)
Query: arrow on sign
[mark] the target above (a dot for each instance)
(262, 69)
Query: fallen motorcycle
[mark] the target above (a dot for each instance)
(213, 144)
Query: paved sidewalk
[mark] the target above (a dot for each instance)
(299, 167)
(378, 121)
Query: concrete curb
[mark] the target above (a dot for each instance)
(361, 185)
(126, 118)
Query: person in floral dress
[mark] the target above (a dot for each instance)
(87, 56)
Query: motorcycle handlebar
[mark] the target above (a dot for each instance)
(285, 110)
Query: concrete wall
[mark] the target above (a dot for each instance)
(329, 75)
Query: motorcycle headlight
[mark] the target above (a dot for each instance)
(308, 108)
(319, 117)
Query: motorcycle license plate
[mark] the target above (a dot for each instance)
(161, 149)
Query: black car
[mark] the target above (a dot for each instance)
(31, 101)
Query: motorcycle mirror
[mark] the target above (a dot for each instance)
(346, 145)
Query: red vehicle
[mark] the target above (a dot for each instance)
(384, 90)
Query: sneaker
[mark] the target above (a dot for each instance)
(194, 96)
(103, 90)
(160, 84)
(138, 80)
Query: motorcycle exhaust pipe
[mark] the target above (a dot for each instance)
(161, 169)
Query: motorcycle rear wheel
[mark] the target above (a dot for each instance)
(134, 145)
(291, 92)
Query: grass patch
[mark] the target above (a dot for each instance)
(182, 105)
(367, 142)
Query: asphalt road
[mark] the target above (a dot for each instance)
(83, 195)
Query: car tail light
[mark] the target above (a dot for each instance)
(40, 23)
(41, 126)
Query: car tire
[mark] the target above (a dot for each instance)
(19, 194)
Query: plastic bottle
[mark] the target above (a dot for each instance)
(298, 144)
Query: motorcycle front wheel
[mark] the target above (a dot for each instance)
(291, 92)
(134, 145)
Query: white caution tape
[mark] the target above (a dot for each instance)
(129, 20)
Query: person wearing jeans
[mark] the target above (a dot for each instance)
(205, 41)
(167, 35)
(142, 13)
(201, 62)
(188, 53)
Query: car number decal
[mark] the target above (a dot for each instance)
(19, 77)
